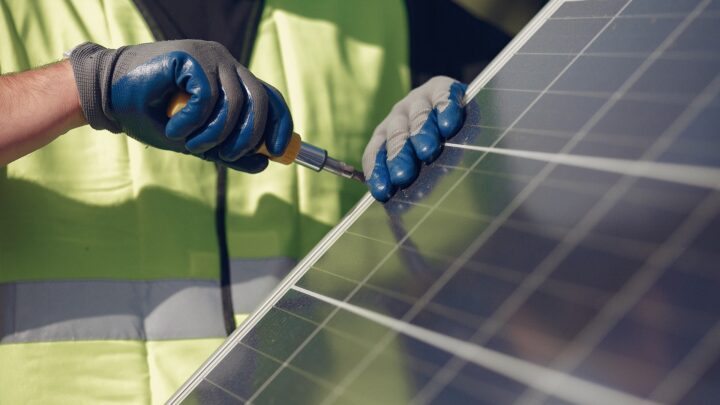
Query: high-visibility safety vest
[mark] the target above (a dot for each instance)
(109, 255)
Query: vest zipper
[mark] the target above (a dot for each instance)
(248, 40)
(221, 233)
(221, 195)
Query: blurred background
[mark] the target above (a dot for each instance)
(509, 15)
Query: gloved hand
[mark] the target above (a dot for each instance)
(414, 132)
(229, 114)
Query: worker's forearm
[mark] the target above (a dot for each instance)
(36, 107)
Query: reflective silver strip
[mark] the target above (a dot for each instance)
(110, 310)
(253, 280)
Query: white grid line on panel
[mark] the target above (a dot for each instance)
(540, 273)
(232, 394)
(669, 98)
(221, 352)
(699, 176)
(445, 277)
(655, 265)
(631, 292)
(573, 389)
(674, 55)
(691, 368)
(472, 90)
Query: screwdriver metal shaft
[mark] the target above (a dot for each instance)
(317, 159)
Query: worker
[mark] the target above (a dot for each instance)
(124, 264)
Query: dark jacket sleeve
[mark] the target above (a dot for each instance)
(447, 40)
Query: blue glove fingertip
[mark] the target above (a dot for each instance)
(212, 134)
(190, 78)
(280, 126)
(404, 167)
(427, 143)
(381, 188)
(451, 118)
(238, 145)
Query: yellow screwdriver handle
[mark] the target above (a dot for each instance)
(181, 99)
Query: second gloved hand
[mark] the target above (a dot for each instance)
(413, 132)
(230, 112)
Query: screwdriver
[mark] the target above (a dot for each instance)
(297, 151)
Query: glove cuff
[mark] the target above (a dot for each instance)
(92, 67)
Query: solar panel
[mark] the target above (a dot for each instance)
(563, 249)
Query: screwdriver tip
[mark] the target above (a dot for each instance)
(359, 176)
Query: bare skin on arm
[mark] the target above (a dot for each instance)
(36, 107)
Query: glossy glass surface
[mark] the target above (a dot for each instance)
(610, 278)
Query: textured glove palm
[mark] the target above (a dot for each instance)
(229, 114)
(413, 132)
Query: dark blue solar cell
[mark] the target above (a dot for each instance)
(638, 120)
(304, 306)
(378, 302)
(243, 372)
(602, 145)
(278, 334)
(596, 269)
(626, 374)
(475, 293)
(529, 72)
(484, 194)
(588, 176)
(500, 108)
(533, 141)
(470, 135)
(327, 283)
(554, 206)
(505, 388)
(207, 393)
(452, 322)
(708, 239)
(705, 388)
(292, 387)
(564, 36)
(689, 291)
(607, 8)
(699, 39)
(661, 348)
(640, 36)
(560, 112)
(515, 250)
(677, 80)
(546, 314)
(689, 152)
(597, 73)
(659, 7)
(323, 354)
(630, 220)
(700, 130)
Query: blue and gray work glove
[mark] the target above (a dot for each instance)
(414, 132)
(229, 115)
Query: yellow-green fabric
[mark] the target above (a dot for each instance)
(98, 372)
(99, 206)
